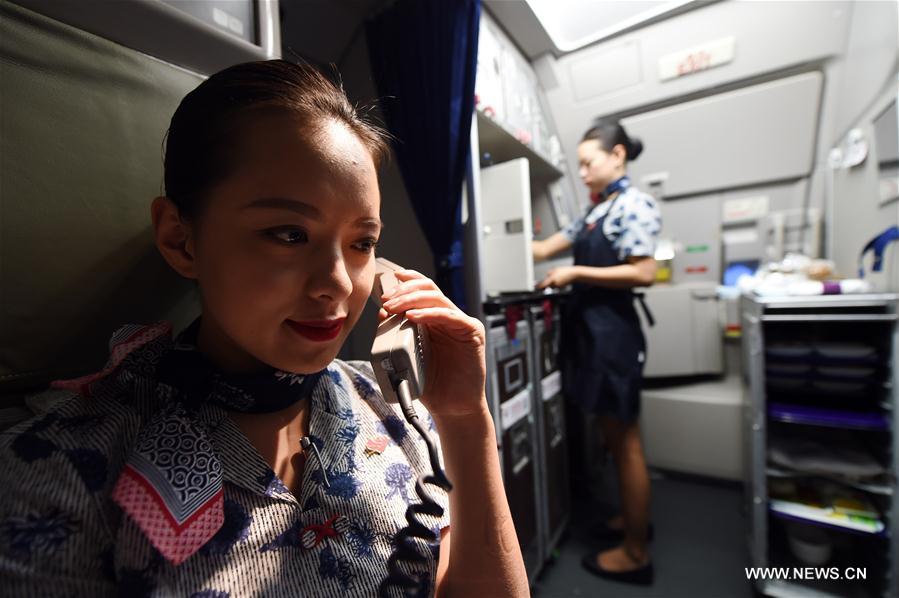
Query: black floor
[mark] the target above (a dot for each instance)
(699, 549)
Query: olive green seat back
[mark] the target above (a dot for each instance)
(82, 123)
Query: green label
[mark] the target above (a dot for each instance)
(697, 248)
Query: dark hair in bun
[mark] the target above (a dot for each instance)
(611, 133)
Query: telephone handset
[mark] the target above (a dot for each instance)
(400, 349)
(398, 356)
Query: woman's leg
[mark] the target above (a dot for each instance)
(633, 481)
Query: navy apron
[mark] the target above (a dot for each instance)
(603, 348)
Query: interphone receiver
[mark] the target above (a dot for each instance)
(398, 356)
(400, 348)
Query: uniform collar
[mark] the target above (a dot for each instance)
(616, 186)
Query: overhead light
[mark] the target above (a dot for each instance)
(573, 24)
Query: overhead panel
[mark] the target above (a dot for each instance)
(751, 136)
(606, 71)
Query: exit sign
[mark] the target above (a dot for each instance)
(698, 58)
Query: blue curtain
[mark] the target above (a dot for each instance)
(424, 59)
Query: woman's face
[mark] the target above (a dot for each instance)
(597, 167)
(284, 247)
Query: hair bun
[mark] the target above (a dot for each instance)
(634, 148)
(610, 133)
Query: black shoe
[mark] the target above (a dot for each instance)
(643, 576)
(603, 532)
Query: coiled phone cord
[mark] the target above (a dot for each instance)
(406, 549)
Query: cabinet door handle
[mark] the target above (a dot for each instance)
(704, 294)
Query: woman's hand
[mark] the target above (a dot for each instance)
(456, 369)
(559, 277)
(480, 557)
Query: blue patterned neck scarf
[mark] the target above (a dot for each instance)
(197, 380)
(612, 188)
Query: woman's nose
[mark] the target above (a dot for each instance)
(330, 277)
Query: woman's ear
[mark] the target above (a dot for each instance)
(174, 237)
(620, 153)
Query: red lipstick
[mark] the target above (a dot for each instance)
(318, 330)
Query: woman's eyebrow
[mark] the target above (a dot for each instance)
(371, 223)
(285, 203)
(308, 210)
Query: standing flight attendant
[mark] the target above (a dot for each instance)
(604, 347)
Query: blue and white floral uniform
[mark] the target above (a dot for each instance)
(632, 223)
(131, 487)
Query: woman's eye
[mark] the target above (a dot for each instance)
(367, 245)
(290, 236)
